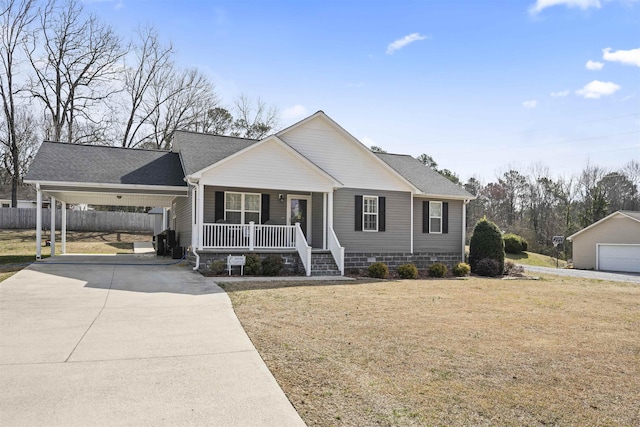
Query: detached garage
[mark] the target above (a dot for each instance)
(611, 244)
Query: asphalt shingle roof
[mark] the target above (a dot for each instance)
(200, 150)
(56, 161)
(423, 177)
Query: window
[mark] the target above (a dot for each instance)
(370, 213)
(242, 208)
(435, 217)
(6, 205)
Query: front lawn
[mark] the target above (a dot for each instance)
(559, 351)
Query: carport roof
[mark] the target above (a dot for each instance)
(76, 163)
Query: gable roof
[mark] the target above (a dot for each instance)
(633, 215)
(201, 150)
(25, 192)
(430, 182)
(76, 163)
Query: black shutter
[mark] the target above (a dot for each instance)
(265, 208)
(219, 208)
(445, 217)
(358, 213)
(382, 214)
(425, 217)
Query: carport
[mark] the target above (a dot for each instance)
(99, 175)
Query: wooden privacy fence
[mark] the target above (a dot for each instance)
(25, 218)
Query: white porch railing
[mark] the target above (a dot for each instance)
(248, 236)
(336, 250)
(304, 250)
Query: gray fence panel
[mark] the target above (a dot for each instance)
(25, 218)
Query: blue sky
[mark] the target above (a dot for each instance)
(479, 85)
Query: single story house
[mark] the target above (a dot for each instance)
(26, 196)
(611, 244)
(311, 192)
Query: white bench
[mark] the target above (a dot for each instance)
(236, 260)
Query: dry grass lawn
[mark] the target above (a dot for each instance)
(558, 351)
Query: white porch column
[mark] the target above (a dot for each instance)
(411, 210)
(194, 218)
(53, 226)
(464, 226)
(38, 222)
(324, 221)
(330, 211)
(200, 219)
(63, 227)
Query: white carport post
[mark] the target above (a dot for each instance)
(53, 226)
(63, 227)
(200, 217)
(38, 222)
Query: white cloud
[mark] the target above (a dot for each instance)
(400, 43)
(559, 94)
(543, 4)
(295, 112)
(597, 89)
(530, 104)
(594, 65)
(368, 141)
(628, 57)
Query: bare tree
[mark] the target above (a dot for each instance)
(75, 69)
(253, 119)
(151, 60)
(16, 16)
(179, 98)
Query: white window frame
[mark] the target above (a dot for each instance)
(243, 209)
(376, 214)
(431, 216)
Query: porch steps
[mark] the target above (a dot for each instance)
(323, 264)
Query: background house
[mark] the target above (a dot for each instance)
(611, 244)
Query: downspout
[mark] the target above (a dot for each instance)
(193, 214)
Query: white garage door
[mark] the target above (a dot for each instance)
(619, 258)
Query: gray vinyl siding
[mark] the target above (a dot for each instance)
(396, 238)
(317, 220)
(277, 209)
(182, 223)
(429, 242)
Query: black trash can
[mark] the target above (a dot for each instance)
(161, 241)
(177, 252)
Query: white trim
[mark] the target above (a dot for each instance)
(182, 189)
(243, 210)
(52, 227)
(63, 227)
(430, 210)
(444, 196)
(348, 136)
(464, 228)
(334, 182)
(324, 221)
(377, 213)
(38, 222)
(309, 211)
(570, 238)
(200, 213)
(411, 210)
(330, 211)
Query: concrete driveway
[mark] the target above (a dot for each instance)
(585, 274)
(90, 343)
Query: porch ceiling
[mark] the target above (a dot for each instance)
(115, 196)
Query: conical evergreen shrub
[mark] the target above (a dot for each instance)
(486, 242)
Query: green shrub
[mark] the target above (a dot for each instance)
(486, 242)
(253, 265)
(512, 243)
(408, 271)
(437, 270)
(218, 266)
(461, 269)
(378, 270)
(487, 267)
(272, 265)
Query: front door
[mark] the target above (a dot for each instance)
(299, 210)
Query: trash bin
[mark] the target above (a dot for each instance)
(177, 252)
(161, 241)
